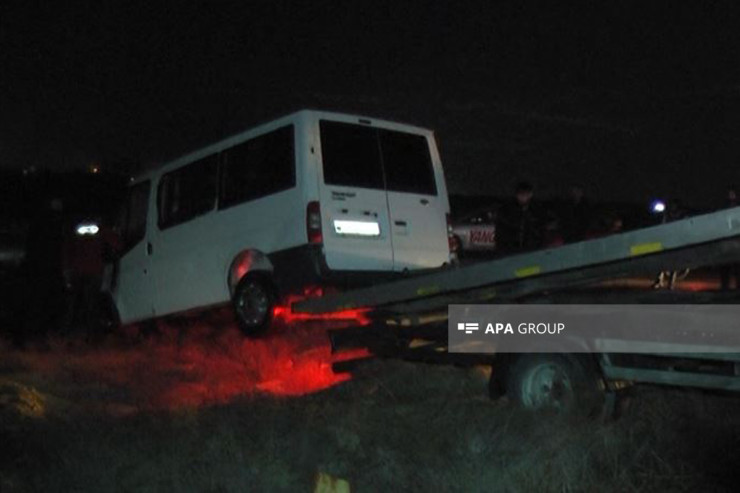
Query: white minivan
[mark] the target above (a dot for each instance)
(310, 199)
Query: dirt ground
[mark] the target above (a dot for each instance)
(201, 408)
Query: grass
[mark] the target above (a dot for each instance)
(395, 427)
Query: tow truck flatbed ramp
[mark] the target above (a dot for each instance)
(707, 239)
(408, 318)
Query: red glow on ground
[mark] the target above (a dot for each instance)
(284, 313)
(202, 364)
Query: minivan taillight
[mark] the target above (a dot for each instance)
(313, 222)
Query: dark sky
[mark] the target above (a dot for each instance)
(630, 99)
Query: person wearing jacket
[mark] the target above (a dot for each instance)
(520, 223)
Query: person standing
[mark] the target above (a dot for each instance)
(521, 223)
(669, 279)
(84, 258)
(576, 220)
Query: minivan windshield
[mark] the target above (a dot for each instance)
(368, 157)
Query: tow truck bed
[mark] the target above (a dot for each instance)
(409, 317)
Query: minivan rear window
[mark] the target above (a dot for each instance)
(351, 155)
(368, 157)
(407, 163)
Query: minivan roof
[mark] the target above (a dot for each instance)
(266, 126)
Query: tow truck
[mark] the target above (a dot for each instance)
(408, 318)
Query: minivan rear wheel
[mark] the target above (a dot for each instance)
(253, 301)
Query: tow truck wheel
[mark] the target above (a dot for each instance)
(560, 382)
(253, 303)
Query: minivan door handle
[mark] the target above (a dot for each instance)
(149, 248)
(424, 201)
(402, 224)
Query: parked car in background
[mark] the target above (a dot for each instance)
(39, 210)
(476, 232)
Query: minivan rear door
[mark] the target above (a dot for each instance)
(417, 200)
(354, 204)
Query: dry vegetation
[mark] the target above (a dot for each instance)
(396, 426)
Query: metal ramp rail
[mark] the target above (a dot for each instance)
(707, 239)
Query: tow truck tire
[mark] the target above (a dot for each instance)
(566, 383)
(254, 300)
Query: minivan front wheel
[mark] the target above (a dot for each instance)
(253, 303)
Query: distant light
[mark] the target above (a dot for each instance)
(94, 169)
(87, 229)
(657, 207)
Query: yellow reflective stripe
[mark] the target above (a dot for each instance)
(427, 290)
(326, 483)
(645, 248)
(532, 270)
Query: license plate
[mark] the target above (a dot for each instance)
(356, 228)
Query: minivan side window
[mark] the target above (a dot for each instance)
(351, 155)
(407, 163)
(187, 192)
(133, 218)
(258, 167)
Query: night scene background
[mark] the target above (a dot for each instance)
(630, 100)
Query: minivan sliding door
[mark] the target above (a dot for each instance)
(185, 247)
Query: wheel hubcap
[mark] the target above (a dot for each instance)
(547, 385)
(253, 304)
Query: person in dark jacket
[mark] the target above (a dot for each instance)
(521, 226)
(85, 253)
(552, 235)
(577, 216)
(669, 279)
